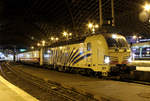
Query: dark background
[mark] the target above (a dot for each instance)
(25, 22)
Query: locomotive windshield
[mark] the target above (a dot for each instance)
(116, 41)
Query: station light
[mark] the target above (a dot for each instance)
(93, 29)
(70, 34)
(140, 37)
(65, 33)
(90, 25)
(147, 7)
(52, 38)
(96, 26)
(43, 43)
(32, 47)
(57, 39)
(134, 37)
(38, 44)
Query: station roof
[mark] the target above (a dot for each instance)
(26, 22)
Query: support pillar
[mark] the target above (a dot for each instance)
(41, 56)
(141, 52)
(100, 13)
(113, 14)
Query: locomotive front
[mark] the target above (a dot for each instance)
(119, 54)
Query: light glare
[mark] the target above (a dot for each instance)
(52, 38)
(57, 39)
(90, 25)
(106, 59)
(134, 37)
(96, 26)
(147, 7)
(65, 33)
(114, 36)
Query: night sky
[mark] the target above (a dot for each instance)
(25, 22)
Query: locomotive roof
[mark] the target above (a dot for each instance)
(67, 42)
(74, 41)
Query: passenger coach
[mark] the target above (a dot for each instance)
(103, 54)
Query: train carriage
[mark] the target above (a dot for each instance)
(31, 57)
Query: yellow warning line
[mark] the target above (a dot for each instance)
(17, 90)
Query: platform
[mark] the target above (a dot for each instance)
(9, 92)
(142, 68)
(142, 65)
(100, 89)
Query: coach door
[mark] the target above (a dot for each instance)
(89, 50)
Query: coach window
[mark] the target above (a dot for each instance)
(88, 46)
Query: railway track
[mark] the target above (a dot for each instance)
(121, 78)
(50, 87)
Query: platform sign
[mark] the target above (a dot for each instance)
(22, 50)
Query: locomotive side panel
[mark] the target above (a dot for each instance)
(99, 50)
(89, 54)
(73, 55)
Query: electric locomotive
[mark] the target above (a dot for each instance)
(103, 54)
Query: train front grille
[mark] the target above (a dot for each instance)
(113, 60)
(116, 60)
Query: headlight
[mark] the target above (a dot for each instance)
(130, 59)
(106, 59)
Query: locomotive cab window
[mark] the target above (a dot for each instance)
(111, 42)
(116, 41)
(88, 46)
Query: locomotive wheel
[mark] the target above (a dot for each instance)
(69, 70)
(88, 72)
(84, 72)
(66, 69)
(55, 67)
(72, 70)
(98, 74)
(60, 69)
(78, 71)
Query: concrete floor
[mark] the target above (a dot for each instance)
(9, 92)
(101, 89)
